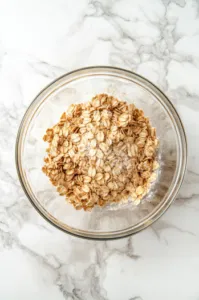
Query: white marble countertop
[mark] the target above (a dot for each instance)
(41, 40)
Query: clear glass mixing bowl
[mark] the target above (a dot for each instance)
(79, 86)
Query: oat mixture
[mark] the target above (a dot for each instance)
(100, 152)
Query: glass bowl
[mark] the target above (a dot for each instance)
(113, 221)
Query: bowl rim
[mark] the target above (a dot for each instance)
(153, 216)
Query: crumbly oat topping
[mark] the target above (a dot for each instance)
(101, 152)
